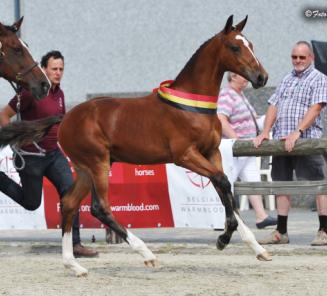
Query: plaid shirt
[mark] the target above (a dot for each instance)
(293, 97)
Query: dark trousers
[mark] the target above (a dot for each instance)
(55, 167)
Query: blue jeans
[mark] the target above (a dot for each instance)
(55, 167)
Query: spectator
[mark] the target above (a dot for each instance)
(238, 119)
(53, 164)
(293, 113)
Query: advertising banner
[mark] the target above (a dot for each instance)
(12, 215)
(140, 196)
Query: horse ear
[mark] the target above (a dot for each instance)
(229, 25)
(15, 27)
(241, 25)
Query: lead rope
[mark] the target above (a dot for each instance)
(17, 151)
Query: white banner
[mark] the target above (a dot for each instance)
(194, 201)
(12, 215)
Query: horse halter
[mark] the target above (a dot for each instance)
(20, 75)
(1, 52)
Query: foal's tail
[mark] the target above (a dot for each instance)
(25, 132)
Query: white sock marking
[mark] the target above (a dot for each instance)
(139, 246)
(248, 236)
(24, 44)
(68, 256)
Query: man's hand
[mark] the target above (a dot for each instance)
(290, 140)
(259, 139)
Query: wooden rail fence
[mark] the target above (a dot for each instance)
(276, 147)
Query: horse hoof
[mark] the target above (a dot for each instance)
(222, 241)
(264, 256)
(220, 244)
(150, 263)
(81, 271)
(82, 274)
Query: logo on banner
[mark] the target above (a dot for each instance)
(197, 180)
(139, 172)
(196, 204)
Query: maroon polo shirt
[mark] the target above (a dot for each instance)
(31, 109)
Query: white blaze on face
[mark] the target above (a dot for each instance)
(247, 45)
(24, 44)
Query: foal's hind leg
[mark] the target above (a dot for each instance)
(223, 187)
(102, 211)
(70, 205)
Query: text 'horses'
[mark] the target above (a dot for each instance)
(175, 124)
(17, 65)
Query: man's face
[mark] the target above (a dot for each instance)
(54, 70)
(301, 57)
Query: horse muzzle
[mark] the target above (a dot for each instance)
(40, 90)
(259, 80)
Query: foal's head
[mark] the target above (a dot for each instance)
(236, 54)
(17, 64)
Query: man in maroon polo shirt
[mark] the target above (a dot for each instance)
(53, 164)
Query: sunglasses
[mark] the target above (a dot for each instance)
(295, 57)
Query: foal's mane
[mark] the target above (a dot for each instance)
(10, 28)
(194, 57)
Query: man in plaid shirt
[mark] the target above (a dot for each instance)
(293, 113)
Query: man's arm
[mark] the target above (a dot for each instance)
(308, 119)
(269, 121)
(310, 116)
(226, 127)
(5, 115)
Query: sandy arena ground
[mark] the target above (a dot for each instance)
(32, 266)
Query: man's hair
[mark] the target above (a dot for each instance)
(305, 43)
(56, 54)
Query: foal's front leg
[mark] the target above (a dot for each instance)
(196, 162)
(223, 187)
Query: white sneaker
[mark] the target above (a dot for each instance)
(275, 238)
(320, 239)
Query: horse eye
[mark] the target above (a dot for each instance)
(235, 48)
(18, 50)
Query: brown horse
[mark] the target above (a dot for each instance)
(175, 124)
(17, 65)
